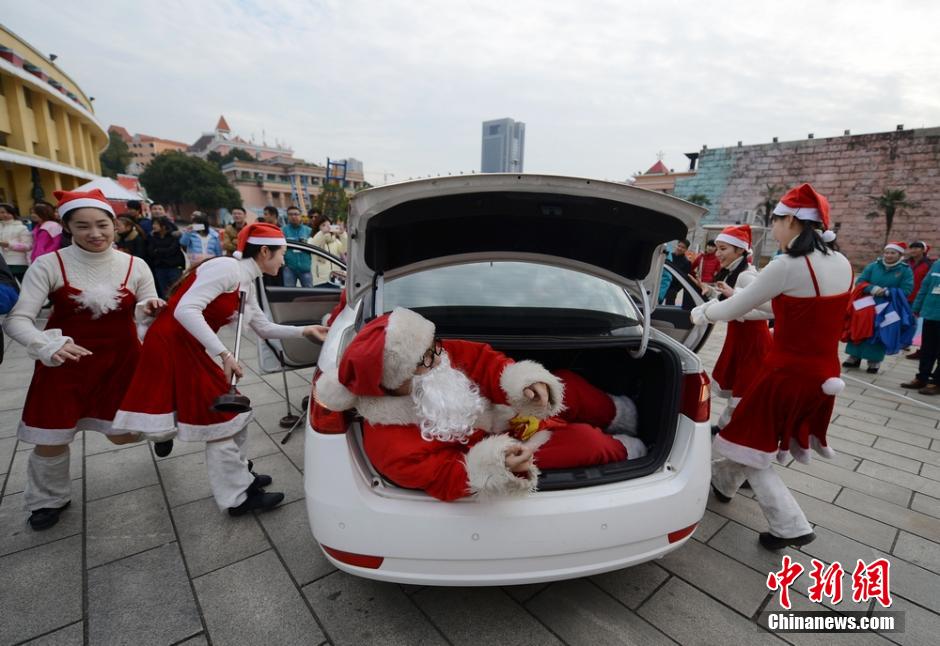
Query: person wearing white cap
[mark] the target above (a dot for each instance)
(748, 341)
(177, 380)
(789, 407)
(88, 350)
(886, 273)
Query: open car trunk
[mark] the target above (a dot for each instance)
(654, 383)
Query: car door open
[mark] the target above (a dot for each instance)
(674, 319)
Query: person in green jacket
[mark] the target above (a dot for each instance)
(927, 306)
(888, 272)
(296, 263)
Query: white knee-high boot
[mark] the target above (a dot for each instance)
(783, 512)
(728, 476)
(47, 481)
(241, 439)
(229, 477)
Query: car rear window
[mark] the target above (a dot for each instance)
(507, 285)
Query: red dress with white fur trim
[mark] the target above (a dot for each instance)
(448, 470)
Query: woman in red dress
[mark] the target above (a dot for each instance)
(789, 406)
(747, 341)
(88, 350)
(178, 380)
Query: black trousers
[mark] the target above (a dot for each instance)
(930, 352)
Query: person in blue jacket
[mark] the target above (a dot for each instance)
(927, 306)
(887, 272)
(201, 241)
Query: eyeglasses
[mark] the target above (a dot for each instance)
(434, 351)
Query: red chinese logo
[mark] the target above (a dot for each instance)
(782, 580)
(826, 583)
(872, 582)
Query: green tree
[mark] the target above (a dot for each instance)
(698, 198)
(890, 203)
(235, 153)
(177, 178)
(769, 199)
(116, 156)
(332, 201)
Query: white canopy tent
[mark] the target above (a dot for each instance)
(111, 189)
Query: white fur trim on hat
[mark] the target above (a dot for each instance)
(407, 337)
(332, 394)
(894, 247)
(829, 236)
(268, 241)
(487, 475)
(799, 212)
(518, 376)
(734, 242)
(84, 203)
(833, 386)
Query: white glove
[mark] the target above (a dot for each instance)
(698, 315)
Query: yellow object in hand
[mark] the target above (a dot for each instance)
(524, 427)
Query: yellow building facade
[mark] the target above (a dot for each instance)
(49, 136)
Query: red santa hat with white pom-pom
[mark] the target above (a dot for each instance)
(896, 245)
(738, 235)
(259, 233)
(804, 203)
(71, 200)
(383, 355)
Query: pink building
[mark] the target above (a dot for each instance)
(221, 141)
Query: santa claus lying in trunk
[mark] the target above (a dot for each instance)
(457, 418)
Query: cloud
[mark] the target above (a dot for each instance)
(404, 86)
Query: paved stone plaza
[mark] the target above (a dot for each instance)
(143, 555)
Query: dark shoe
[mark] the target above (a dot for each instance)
(914, 384)
(716, 429)
(261, 479)
(163, 449)
(872, 370)
(771, 542)
(745, 485)
(46, 517)
(914, 356)
(930, 389)
(852, 363)
(257, 500)
(720, 496)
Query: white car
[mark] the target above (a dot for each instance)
(556, 269)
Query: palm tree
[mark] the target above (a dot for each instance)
(890, 203)
(769, 199)
(698, 198)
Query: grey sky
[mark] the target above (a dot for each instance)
(404, 85)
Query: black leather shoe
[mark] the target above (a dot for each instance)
(720, 496)
(771, 542)
(163, 449)
(851, 363)
(261, 479)
(257, 499)
(745, 485)
(46, 517)
(872, 370)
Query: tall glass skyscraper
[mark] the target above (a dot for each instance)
(503, 146)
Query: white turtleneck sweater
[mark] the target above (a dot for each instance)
(20, 239)
(86, 270)
(217, 277)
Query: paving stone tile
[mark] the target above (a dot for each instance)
(212, 539)
(921, 626)
(848, 523)
(12, 399)
(859, 482)
(99, 443)
(142, 599)
(919, 551)
(874, 455)
(916, 453)
(180, 448)
(926, 505)
(930, 471)
(268, 416)
(126, 524)
(9, 421)
(185, 478)
(69, 636)
(741, 509)
(16, 535)
(260, 443)
(237, 613)
(579, 613)
(898, 417)
(294, 380)
(119, 471)
(711, 523)
(632, 586)
(294, 449)
(724, 578)
(7, 449)
(16, 479)
(798, 480)
(860, 415)
(801, 603)
(916, 436)
(895, 515)
(901, 478)
(837, 429)
(42, 589)
(289, 530)
(522, 593)
(480, 616)
(929, 416)
(261, 393)
(198, 640)
(691, 617)
(360, 611)
(287, 477)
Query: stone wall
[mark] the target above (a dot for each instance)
(845, 169)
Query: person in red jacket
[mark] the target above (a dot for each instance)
(707, 265)
(457, 418)
(920, 264)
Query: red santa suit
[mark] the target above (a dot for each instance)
(178, 380)
(747, 341)
(97, 300)
(384, 355)
(789, 407)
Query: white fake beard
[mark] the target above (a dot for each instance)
(448, 403)
(98, 299)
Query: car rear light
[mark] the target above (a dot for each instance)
(359, 560)
(696, 397)
(326, 421)
(679, 534)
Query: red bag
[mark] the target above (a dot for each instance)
(859, 316)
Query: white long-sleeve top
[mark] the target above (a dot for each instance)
(97, 273)
(747, 277)
(20, 239)
(220, 276)
(784, 275)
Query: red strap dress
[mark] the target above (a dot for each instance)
(83, 395)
